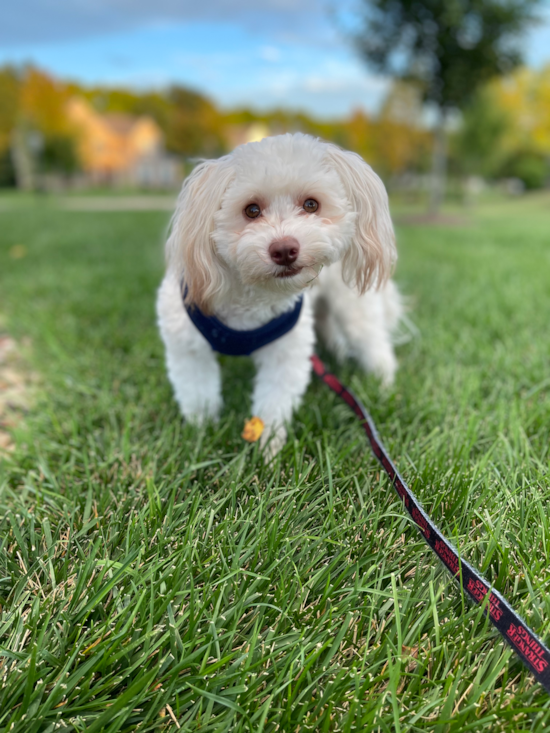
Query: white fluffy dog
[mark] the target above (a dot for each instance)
(253, 232)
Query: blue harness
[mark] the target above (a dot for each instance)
(228, 341)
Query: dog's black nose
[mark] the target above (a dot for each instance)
(284, 251)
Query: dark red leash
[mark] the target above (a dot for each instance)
(515, 631)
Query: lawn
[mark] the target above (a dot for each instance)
(158, 577)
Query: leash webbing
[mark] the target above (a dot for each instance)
(515, 631)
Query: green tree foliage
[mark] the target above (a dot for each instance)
(195, 126)
(9, 104)
(7, 172)
(528, 165)
(479, 147)
(32, 110)
(505, 132)
(449, 48)
(58, 155)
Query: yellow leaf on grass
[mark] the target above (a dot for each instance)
(253, 428)
(18, 251)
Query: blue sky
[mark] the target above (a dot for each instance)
(240, 52)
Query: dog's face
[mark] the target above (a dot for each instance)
(284, 215)
(274, 213)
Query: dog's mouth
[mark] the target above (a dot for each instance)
(289, 272)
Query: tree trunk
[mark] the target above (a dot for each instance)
(439, 164)
(22, 160)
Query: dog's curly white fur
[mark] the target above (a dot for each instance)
(342, 256)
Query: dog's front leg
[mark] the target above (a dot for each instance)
(282, 377)
(193, 367)
(195, 377)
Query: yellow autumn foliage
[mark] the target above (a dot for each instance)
(524, 97)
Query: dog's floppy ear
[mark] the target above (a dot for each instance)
(190, 251)
(370, 259)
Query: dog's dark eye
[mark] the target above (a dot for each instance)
(310, 205)
(253, 211)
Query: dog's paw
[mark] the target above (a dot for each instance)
(387, 380)
(272, 441)
(385, 367)
(202, 416)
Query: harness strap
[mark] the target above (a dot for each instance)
(231, 342)
(533, 653)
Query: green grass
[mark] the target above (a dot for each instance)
(149, 569)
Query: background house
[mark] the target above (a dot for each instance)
(121, 149)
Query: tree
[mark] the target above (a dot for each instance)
(41, 136)
(524, 97)
(42, 103)
(479, 146)
(9, 108)
(449, 48)
(402, 143)
(195, 127)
